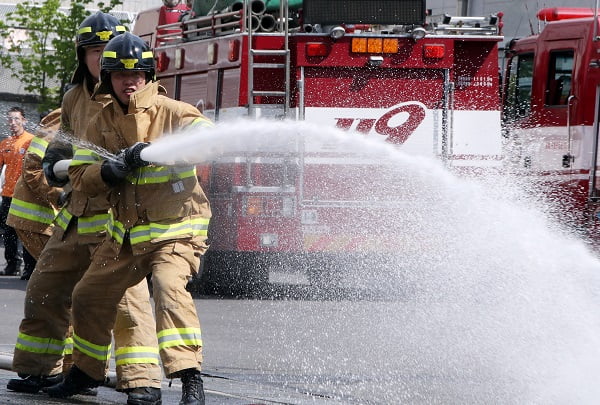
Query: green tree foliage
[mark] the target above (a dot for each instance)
(43, 52)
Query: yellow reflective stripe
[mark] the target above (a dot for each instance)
(153, 231)
(147, 55)
(179, 337)
(40, 345)
(139, 233)
(84, 157)
(84, 30)
(63, 218)
(38, 146)
(120, 28)
(109, 54)
(31, 211)
(92, 224)
(98, 352)
(68, 345)
(115, 229)
(162, 174)
(197, 226)
(136, 355)
(202, 122)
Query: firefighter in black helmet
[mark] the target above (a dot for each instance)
(128, 53)
(80, 227)
(164, 233)
(96, 29)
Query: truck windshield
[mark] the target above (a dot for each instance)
(520, 78)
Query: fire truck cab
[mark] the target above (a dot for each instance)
(377, 69)
(551, 104)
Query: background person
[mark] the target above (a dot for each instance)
(35, 203)
(12, 152)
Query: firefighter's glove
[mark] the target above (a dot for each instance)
(115, 170)
(62, 198)
(133, 157)
(55, 152)
(52, 179)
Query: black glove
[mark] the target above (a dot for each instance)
(132, 155)
(114, 171)
(56, 151)
(51, 177)
(62, 198)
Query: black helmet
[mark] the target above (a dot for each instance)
(96, 29)
(125, 53)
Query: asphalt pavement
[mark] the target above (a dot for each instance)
(218, 390)
(220, 387)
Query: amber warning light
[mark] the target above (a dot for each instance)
(375, 45)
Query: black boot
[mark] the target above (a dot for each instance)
(75, 382)
(33, 384)
(193, 388)
(144, 396)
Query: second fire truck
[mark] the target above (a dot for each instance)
(377, 69)
(552, 110)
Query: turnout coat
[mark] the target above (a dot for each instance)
(155, 203)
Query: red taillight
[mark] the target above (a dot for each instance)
(317, 49)
(563, 13)
(434, 51)
(162, 62)
(234, 50)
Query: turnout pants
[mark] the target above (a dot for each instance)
(113, 270)
(44, 331)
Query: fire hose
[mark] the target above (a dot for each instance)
(6, 360)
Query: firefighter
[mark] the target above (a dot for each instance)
(169, 13)
(80, 226)
(35, 202)
(159, 221)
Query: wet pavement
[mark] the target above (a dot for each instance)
(217, 390)
(221, 386)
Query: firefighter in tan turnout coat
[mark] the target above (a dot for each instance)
(159, 221)
(43, 337)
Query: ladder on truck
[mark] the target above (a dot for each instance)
(282, 26)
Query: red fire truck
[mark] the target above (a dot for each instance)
(551, 110)
(377, 69)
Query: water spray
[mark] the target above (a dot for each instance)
(495, 295)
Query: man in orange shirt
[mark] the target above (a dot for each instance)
(12, 152)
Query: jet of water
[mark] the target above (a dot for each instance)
(499, 302)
